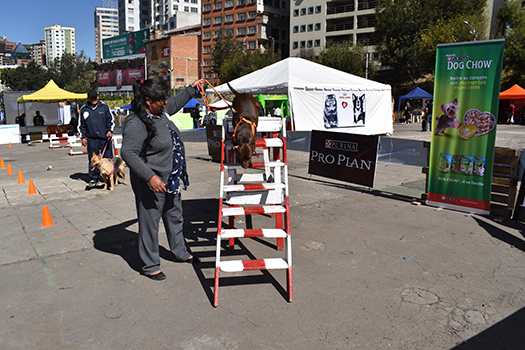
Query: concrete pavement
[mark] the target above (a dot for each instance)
(371, 269)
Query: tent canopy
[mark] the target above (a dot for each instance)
(51, 93)
(128, 106)
(192, 103)
(305, 83)
(514, 93)
(417, 93)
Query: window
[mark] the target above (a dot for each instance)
(303, 28)
(251, 45)
(207, 75)
(317, 43)
(218, 6)
(303, 11)
(228, 19)
(175, 8)
(302, 44)
(228, 4)
(217, 34)
(252, 30)
(296, 29)
(252, 1)
(217, 20)
(311, 10)
(207, 63)
(194, 10)
(241, 31)
(207, 49)
(206, 21)
(296, 12)
(318, 26)
(206, 35)
(283, 5)
(309, 43)
(295, 45)
(194, 2)
(310, 27)
(241, 16)
(229, 31)
(241, 2)
(206, 8)
(252, 14)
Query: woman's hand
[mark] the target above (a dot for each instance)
(156, 184)
(198, 82)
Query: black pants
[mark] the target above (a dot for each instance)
(96, 146)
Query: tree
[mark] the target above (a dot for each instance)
(225, 47)
(401, 24)
(25, 78)
(347, 58)
(512, 27)
(73, 72)
(241, 64)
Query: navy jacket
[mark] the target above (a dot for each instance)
(96, 121)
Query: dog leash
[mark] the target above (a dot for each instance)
(200, 87)
(104, 151)
(252, 124)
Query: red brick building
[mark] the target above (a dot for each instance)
(256, 24)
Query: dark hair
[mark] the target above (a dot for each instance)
(156, 90)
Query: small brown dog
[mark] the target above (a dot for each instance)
(109, 169)
(245, 120)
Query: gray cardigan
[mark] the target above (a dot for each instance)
(158, 158)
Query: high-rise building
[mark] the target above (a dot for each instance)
(106, 26)
(256, 24)
(59, 40)
(133, 15)
(171, 14)
(38, 53)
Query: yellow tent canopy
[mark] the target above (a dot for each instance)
(51, 93)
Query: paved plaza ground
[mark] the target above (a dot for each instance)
(371, 269)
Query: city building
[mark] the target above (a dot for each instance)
(171, 14)
(184, 55)
(133, 15)
(59, 40)
(256, 24)
(106, 26)
(38, 52)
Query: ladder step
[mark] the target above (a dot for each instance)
(248, 265)
(253, 187)
(265, 232)
(267, 209)
(255, 165)
(275, 142)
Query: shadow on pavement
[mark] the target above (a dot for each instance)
(200, 230)
(118, 240)
(80, 176)
(507, 334)
(502, 235)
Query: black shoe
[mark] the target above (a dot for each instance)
(157, 277)
(193, 260)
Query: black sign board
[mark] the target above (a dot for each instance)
(519, 210)
(214, 138)
(346, 157)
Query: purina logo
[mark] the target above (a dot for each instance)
(450, 199)
(341, 145)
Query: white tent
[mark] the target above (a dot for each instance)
(307, 84)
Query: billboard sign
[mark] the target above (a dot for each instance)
(128, 45)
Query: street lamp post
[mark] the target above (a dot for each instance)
(473, 31)
(273, 43)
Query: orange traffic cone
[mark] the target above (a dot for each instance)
(10, 145)
(21, 178)
(46, 218)
(9, 170)
(2, 164)
(32, 189)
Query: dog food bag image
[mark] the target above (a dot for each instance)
(479, 166)
(455, 164)
(467, 165)
(484, 121)
(444, 162)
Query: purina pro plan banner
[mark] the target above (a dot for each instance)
(343, 109)
(466, 99)
(346, 157)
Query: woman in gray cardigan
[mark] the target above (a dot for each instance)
(154, 153)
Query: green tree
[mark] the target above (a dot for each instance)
(401, 24)
(73, 72)
(241, 64)
(25, 78)
(512, 27)
(224, 48)
(347, 58)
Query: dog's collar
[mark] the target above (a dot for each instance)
(252, 124)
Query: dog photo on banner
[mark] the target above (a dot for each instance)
(344, 109)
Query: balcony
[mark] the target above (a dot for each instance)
(335, 9)
(340, 24)
(366, 4)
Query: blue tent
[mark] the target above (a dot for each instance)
(192, 103)
(417, 93)
(128, 106)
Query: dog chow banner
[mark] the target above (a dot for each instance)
(466, 99)
(344, 109)
(346, 157)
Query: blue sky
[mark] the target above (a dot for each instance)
(24, 20)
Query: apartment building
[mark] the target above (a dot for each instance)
(38, 53)
(256, 24)
(314, 23)
(171, 14)
(133, 15)
(106, 26)
(59, 40)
